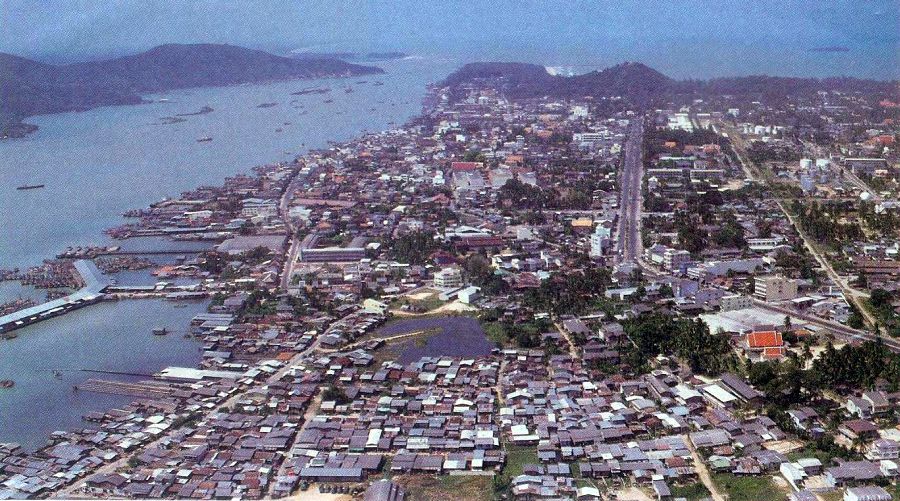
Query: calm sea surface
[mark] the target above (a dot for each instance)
(100, 163)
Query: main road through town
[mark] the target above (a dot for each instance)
(628, 243)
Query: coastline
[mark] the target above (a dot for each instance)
(250, 171)
(17, 128)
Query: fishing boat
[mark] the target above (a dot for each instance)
(160, 331)
(7, 383)
(29, 186)
(204, 139)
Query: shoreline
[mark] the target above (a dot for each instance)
(256, 171)
(17, 127)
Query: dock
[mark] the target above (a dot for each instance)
(93, 291)
(142, 389)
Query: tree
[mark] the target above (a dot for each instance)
(880, 298)
(335, 394)
(413, 248)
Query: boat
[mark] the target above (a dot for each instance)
(329, 100)
(7, 383)
(57, 374)
(348, 90)
(204, 139)
(29, 186)
(160, 331)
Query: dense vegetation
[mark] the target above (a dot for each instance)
(656, 139)
(851, 367)
(760, 152)
(570, 292)
(823, 223)
(689, 340)
(413, 248)
(882, 304)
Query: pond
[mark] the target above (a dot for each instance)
(456, 336)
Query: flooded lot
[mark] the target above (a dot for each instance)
(456, 336)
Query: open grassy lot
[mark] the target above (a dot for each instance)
(461, 487)
(747, 488)
(691, 492)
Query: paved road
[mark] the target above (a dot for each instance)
(628, 244)
(284, 206)
(852, 295)
(840, 330)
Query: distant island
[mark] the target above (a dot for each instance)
(353, 56)
(643, 86)
(29, 87)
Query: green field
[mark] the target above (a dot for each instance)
(691, 492)
(747, 488)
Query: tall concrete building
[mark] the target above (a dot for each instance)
(775, 288)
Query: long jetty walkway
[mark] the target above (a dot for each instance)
(141, 389)
(94, 285)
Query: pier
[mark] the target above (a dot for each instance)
(151, 252)
(142, 389)
(92, 292)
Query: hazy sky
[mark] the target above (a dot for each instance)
(680, 37)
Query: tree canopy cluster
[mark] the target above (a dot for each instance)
(413, 248)
(569, 292)
(689, 340)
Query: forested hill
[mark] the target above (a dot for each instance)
(642, 85)
(29, 88)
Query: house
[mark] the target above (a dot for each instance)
(852, 473)
(858, 428)
(384, 490)
(740, 388)
(867, 493)
(858, 407)
(878, 402)
(883, 449)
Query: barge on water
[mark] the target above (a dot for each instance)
(29, 187)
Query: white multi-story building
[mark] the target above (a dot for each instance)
(764, 244)
(735, 302)
(674, 259)
(579, 111)
(599, 243)
(775, 288)
(448, 278)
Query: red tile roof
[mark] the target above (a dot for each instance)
(764, 339)
(773, 353)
